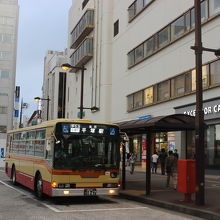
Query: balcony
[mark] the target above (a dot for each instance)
(83, 53)
(82, 29)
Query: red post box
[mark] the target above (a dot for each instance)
(186, 178)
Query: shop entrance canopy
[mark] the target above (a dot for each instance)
(176, 122)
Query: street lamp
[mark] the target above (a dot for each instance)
(199, 120)
(67, 66)
(37, 99)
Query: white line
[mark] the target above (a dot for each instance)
(23, 193)
(98, 210)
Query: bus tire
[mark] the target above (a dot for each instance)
(39, 186)
(13, 176)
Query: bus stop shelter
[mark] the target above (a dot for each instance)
(175, 122)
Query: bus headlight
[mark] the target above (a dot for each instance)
(111, 191)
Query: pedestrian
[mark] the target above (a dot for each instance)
(171, 169)
(162, 159)
(154, 159)
(176, 154)
(132, 159)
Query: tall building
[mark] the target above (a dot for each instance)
(139, 64)
(54, 86)
(9, 10)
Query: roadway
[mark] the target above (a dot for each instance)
(19, 203)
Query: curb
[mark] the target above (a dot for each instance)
(173, 207)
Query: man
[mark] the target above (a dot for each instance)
(171, 169)
(176, 154)
(162, 159)
(154, 159)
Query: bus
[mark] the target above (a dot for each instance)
(65, 157)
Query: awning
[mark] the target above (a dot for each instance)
(176, 122)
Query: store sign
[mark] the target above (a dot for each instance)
(211, 110)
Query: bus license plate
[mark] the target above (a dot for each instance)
(89, 192)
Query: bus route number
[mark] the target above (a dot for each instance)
(89, 192)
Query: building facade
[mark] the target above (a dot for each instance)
(139, 64)
(53, 98)
(8, 47)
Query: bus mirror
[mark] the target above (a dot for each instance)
(56, 140)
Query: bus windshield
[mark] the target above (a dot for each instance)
(86, 152)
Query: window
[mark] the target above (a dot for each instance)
(130, 102)
(163, 91)
(139, 53)
(164, 37)
(149, 47)
(116, 27)
(6, 38)
(146, 2)
(178, 85)
(4, 74)
(139, 5)
(214, 7)
(3, 91)
(177, 28)
(4, 55)
(84, 3)
(6, 20)
(215, 72)
(148, 96)
(204, 78)
(131, 11)
(204, 11)
(138, 99)
(3, 110)
(187, 21)
(131, 58)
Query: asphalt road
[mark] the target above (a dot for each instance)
(19, 203)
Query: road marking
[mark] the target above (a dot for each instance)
(23, 193)
(97, 210)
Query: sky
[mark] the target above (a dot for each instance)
(43, 26)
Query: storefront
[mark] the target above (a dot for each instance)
(211, 109)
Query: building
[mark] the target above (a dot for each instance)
(139, 64)
(54, 86)
(8, 47)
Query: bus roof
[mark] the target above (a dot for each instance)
(52, 123)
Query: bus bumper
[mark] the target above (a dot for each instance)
(84, 192)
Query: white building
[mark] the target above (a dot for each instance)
(54, 86)
(8, 48)
(138, 62)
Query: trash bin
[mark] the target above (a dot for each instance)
(186, 178)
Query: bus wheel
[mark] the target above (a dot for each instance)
(39, 186)
(13, 176)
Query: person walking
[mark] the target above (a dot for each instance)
(171, 169)
(154, 159)
(162, 159)
(132, 159)
(176, 154)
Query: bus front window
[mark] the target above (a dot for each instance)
(85, 152)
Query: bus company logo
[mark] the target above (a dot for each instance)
(112, 131)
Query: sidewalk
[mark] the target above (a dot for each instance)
(170, 198)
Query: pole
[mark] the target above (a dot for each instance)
(20, 121)
(123, 165)
(148, 163)
(199, 120)
(48, 107)
(81, 95)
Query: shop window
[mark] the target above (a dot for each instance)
(215, 72)
(149, 47)
(138, 99)
(116, 27)
(177, 28)
(139, 53)
(214, 7)
(161, 141)
(148, 96)
(163, 91)
(217, 141)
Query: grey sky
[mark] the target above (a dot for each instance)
(42, 26)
